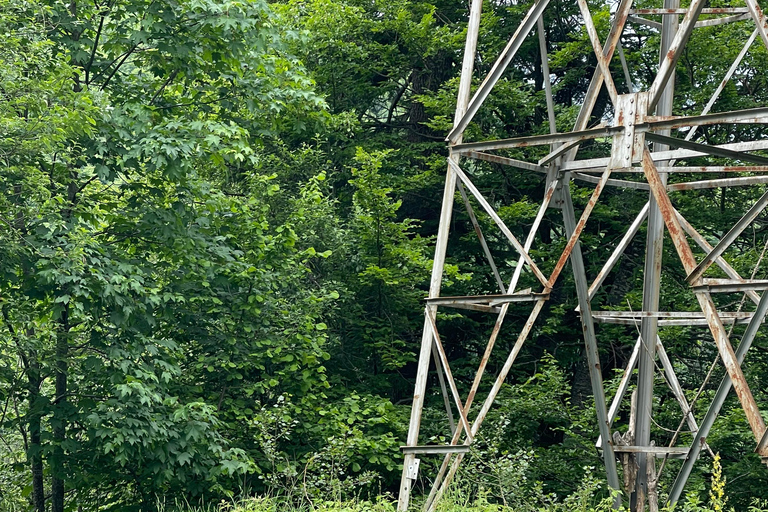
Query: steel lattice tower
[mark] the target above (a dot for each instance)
(645, 142)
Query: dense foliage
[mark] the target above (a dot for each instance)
(216, 228)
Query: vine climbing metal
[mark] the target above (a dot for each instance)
(648, 145)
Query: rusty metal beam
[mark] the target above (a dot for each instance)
(695, 274)
(637, 185)
(496, 159)
(599, 164)
(671, 452)
(699, 24)
(435, 449)
(758, 115)
(682, 169)
(446, 367)
(743, 181)
(704, 148)
(652, 280)
(556, 153)
(674, 51)
(717, 402)
(706, 10)
(732, 285)
(732, 366)
(596, 83)
(602, 61)
(669, 322)
(721, 21)
(724, 347)
(489, 300)
(473, 307)
(537, 140)
(704, 244)
(590, 341)
(578, 228)
(668, 212)
(757, 14)
(688, 315)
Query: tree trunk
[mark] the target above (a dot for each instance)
(34, 452)
(34, 381)
(416, 112)
(581, 387)
(59, 422)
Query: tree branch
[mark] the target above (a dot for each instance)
(93, 50)
(397, 97)
(165, 84)
(127, 54)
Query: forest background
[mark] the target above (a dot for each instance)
(216, 229)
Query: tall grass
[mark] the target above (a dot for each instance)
(451, 503)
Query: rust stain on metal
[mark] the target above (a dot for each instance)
(485, 358)
(728, 357)
(579, 228)
(600, 275)
(657, 119)
(668, 213)
(658, 263)
(709, 10)
(723, 10)
(448, 374)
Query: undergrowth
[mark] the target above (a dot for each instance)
(464, 497)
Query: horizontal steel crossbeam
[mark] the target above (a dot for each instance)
(436, 449)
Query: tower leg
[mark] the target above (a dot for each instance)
(593, 357)
(426, 342)
(651, 285)
(412, 439)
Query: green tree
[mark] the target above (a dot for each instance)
(137, 295)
